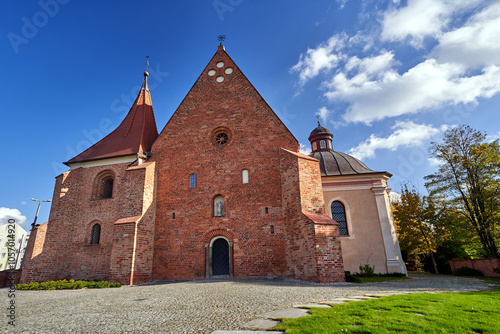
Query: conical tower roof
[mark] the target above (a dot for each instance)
(135, 134)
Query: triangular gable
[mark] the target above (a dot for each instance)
(217, 88)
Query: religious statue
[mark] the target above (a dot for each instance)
(219, 208)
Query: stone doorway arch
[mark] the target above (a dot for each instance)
(219, 253)
(219, 263)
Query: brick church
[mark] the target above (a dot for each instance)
(221, 191)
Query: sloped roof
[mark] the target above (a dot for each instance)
(319, 218)
(337, 163)
(135, 134)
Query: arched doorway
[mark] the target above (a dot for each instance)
(220, 257)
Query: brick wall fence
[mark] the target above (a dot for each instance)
(5, 277)
(489, 267)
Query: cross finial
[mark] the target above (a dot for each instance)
(317, 117)
(147, 63)
(221, 38)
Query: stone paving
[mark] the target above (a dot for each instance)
(194, 306)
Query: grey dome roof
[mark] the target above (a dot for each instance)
(319, 130)
(337, 163)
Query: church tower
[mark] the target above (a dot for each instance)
(102, 208)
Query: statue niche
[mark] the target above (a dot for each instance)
(218, 206)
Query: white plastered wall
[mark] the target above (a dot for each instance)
(372, 235)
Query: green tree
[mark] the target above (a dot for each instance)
(420, 225)
(468, 181)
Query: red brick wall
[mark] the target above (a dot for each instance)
(299, 231)
(489, 267)
(9, 278)
(313, 250)
(330, 266)
(132, 253)
(67, 252)
(185, 147)
(34, 249)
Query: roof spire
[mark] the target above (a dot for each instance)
(145, 83)
(317, 117)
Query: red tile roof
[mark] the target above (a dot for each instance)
(135, 134)
(320, 218)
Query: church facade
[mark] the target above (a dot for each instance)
(221, 191)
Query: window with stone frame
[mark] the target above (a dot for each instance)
(338, 214)
(95, 237)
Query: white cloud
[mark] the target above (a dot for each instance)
(492, 138)
(371, 66)
(427, 85)
(421, 18)
(394, 197)
(435, 162)
(323, 114)
(461, 68)
(475, 43)
(406, 134)
(322, 58)
(6, 214)
(342, 3)
(304, 149)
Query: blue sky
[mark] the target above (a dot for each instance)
(386, 77)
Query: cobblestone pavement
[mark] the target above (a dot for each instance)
(190, 306)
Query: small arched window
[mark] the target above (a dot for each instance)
(192, 181)
(103, 185)
(95, 237)
(219, 206)
(244, 176)
(106, 187)
(338, 214)
(322, 144)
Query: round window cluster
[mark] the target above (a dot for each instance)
(220, 65)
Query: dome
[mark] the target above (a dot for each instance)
(337, 163)
(320, 131)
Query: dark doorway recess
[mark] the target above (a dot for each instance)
(220, 257)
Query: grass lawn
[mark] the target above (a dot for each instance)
(467, 312)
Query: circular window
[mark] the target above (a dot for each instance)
(220, 79)
(220, 136)
(220, 64)
(211, 73)
(229, 70)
